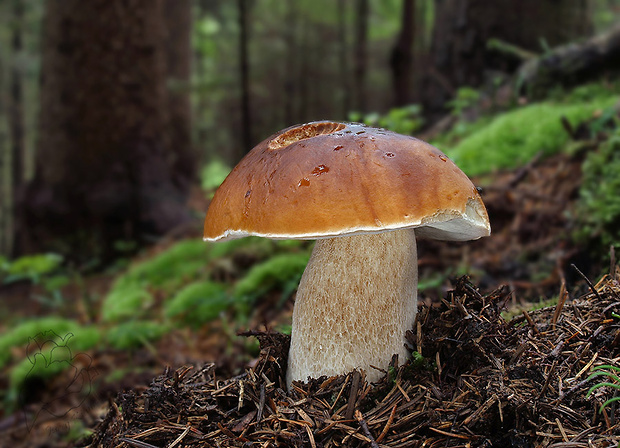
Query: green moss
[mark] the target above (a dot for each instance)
(47, 354)
(184, 261)
(42, 366)
(20, 335)
(198, 303)
(125, 302)
(598, 209)
(284, 328)
(513, 138)
(517, 311)
(78, 432)
(283, 271)
(257, 247)
(213, 174)
(135, 334)
(30, 267)
(586, 92)
(404, 120)
(168, 269)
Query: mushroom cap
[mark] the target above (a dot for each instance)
(327, 179)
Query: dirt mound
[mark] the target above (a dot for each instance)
(482, 382)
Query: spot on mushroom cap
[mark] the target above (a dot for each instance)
(326, 179)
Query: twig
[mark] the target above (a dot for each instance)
(388, 424)
(180, 438)
(568, 127)
(612, 262)
(136, 443)
(241, 395)
(364, 426)
(261, 403)
(547, 381)
(561, 428)
(344, 384)
(561, 301)
(592, 288)
(530, 321)
(355, 385)
(524, 171)
(419, 336)
(481, 410)
(311, 437)
(507, 49)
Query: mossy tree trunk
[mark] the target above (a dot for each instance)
(106, 168)
(572, 64)
(460, 56)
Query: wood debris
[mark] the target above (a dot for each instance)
(521, 383)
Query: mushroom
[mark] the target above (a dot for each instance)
(360, 192)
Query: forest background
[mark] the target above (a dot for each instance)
(118, 119)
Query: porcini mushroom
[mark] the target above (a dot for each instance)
(360, 192)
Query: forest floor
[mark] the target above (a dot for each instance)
(484, 380)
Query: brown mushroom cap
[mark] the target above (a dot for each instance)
(326, 179)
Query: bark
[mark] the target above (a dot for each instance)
(572, 64)
(303, 70)
(178, 23)
(343, 63)
(103, 169)
(5, 178)
(401, 60)
(16, 110)
(16, 128)
(290, 77)
(463, 28)
(244, 67)
(362, 11)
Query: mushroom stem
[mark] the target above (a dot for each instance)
(355, 301)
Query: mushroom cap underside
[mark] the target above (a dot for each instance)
(326, 179)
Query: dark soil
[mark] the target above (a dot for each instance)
(482, 382)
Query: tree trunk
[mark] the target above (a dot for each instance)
(16, 111)
(244, 66)
(463, 28)
(16, 124)
(343, 66)
(6, 234)
(401, 60)
(360, 53)
(572, 64)
(303, 68)
(290, 76)
(103, 170)
(178, 22)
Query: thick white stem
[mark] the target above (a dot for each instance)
(355, 301)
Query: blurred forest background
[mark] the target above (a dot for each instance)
(118, 119)
(109, 113)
